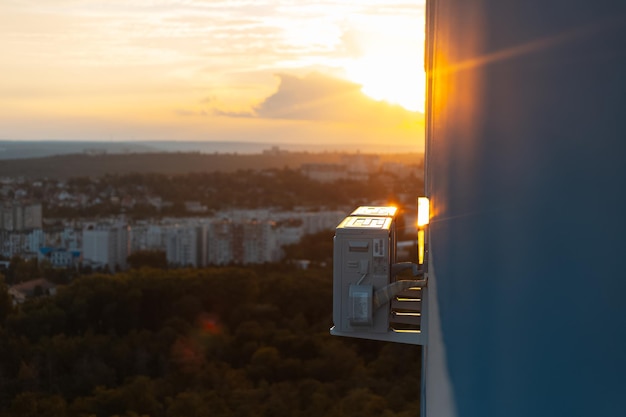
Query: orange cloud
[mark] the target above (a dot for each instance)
(318, 97)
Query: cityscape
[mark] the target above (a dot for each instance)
(237, 236)
(130, 218)
(184, 293)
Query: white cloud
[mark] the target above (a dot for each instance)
(186, 30)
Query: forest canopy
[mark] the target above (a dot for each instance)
(198, 342)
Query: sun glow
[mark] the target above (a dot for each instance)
(388, 62)
(391, 79)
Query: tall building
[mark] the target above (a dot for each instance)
(182, 246)
(32, 217)
(20, 216)
(6, 218)
(147, 237)
(106, 245)
(222, 238)
(259, 242)
(12, 243)
(35, 240)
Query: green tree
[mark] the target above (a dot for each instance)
(363, 403)
(33, 404)
(224, 341)
(147, 258)
(197, 404)
(6, 302)
(264, 363)
(21, 270)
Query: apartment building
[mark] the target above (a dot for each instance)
(106, 245)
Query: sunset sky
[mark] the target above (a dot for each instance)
(282, 71)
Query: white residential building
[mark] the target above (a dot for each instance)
(314, 222)
(222, 236)
(147, 237)
(32, 217)
(19, 217)
(35, 240)
(12, 244)
(181, 246)
(259, 242)
(71, 238)
(106, 245)
(289, 234)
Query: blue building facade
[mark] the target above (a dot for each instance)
(526, 174)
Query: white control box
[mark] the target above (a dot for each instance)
(362, 262)
(364, 253)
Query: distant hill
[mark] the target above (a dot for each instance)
(17, 149)
(95, 165)
(20, 149)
